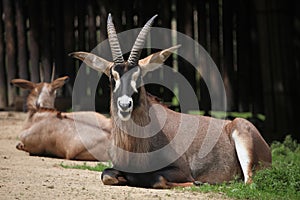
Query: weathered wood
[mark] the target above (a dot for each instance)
(22, 40)
(205, 103)
(3, 88)
(68, 22)
(228, 71)
(91, 24)
(185, 22)
(10, 38)
(243, 56)
(45, 40)
(274, 26)
(34, 55)
(58, 51)
(165, 18)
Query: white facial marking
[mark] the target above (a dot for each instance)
(117, 79)
(118, 82)
(133, 85)
(134, 77)
(41, 98)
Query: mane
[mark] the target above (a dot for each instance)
(156, 100)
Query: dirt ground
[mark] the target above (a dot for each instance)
(29, 177)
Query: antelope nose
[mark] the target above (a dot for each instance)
(125, 103)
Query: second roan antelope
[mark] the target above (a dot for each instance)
(239, 149)
(47, 132)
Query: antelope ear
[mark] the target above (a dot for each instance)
(23, 84)
(59, 82)
(154, 61)
(93, 61)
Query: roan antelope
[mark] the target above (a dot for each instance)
(239, 149)
(47, 132)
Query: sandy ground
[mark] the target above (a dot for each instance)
(29, 177)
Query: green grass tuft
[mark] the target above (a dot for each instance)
(99, 167)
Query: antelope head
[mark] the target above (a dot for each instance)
(41, 94)
(126, 76)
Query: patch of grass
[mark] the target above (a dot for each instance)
(99, 167)
(222, 114)
(281, 181)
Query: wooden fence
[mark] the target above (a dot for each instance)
(254, 43)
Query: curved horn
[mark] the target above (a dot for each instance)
(42, 78)
(114, 42)
(139, 43)
(53, 72)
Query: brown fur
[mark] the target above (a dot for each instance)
(220, 150)
(48, 132)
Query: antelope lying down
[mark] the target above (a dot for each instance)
(239, 149)
(47, 132)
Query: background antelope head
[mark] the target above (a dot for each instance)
(41, 94)
(126, 77)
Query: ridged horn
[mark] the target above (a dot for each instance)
(114, 42)
(139, 43)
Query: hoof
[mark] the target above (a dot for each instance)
(20, 146)
(108, 180)
(198, 183)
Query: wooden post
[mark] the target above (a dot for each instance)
(91, 24)
(10, 47)
(228, 71)
(34, 32)
(22, 41)
(165, 17)
(58, 51)
(243, 56)
(68, 24)
(185, 22)
(3, 88)
(45, 39)
(202, 39)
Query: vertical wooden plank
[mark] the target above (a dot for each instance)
(215, 52)
(164, 21)
(91, 24)
(3, 88)
(214, 31)
(257, 106)
(244, 57)
(10, 47)
(46, 57)
(80, 10)
(274, 25)
(205, 103)
(185, 22)
(68, 32)
(104, 81)
(34, 55)
(58, 51)
(146, 10)
(228, 71)
(22, 40)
